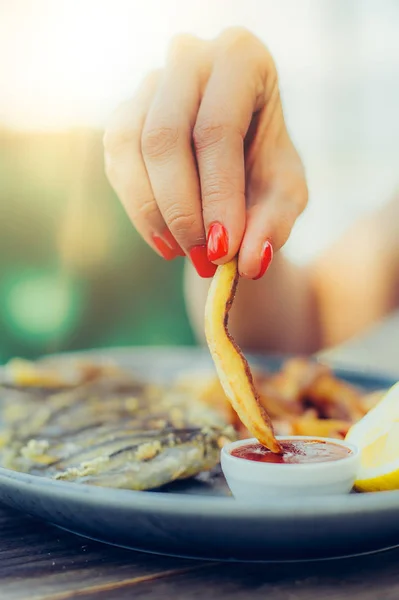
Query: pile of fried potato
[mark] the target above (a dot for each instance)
(303, 398)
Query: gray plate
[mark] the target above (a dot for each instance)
(198, 519)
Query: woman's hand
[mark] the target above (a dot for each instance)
(201, 158)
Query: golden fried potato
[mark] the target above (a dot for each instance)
(232, 367)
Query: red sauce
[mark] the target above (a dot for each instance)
(294, 452)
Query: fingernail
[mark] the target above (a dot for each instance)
(168, 237)
(166, 251)
(218, 242)
(199, 258)
(265, 259)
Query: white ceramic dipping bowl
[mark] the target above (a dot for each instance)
(253, 481)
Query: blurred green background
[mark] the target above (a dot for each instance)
(73, 272)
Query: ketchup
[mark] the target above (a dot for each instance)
(294, 452)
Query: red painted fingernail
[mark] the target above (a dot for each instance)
(266, 259)
(166, 251)
(168, 237)
(199, 258)
(218, 242)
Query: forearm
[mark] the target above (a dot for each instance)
(301, 310)
(356, 282)
(276, 313)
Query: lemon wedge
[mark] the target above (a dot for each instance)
(377, 437)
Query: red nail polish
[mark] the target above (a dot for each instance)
(266, 259)
(166, 251)
(199, 258)
(218, 242)
(168, 237)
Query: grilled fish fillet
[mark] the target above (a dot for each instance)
(112, 431)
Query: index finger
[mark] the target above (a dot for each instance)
(235, 91)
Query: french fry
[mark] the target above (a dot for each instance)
(232, 367)
(330, 428)
(336, 399)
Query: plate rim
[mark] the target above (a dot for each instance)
(187, 505)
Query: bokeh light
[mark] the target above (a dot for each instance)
(40, 307)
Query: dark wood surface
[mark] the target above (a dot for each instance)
(40, 562)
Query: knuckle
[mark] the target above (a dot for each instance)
(281, 227)
(146, 210)
(116, 172)
(285, 224)
(238, 41)
(125, 123)
(111, 170)
(122, 128)
(212, 193)
(207, 134)
(159, 141)
(233, 36)
(303, 196)
(182, 224)
(114, 140)
(182, 43)
(285, 220)
(295, 192)
(151, 79)
(218, 188)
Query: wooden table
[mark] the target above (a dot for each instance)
(40, 562)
